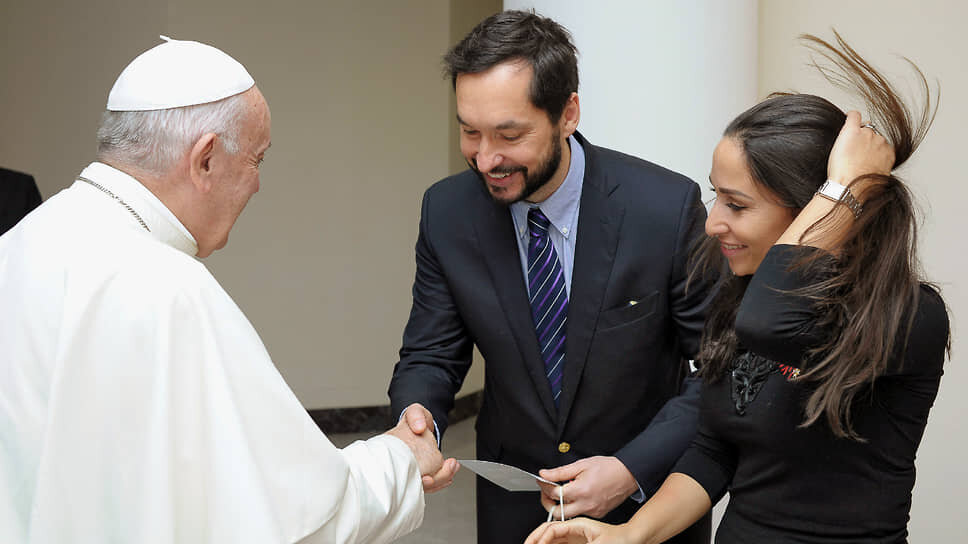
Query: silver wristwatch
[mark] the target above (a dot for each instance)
(838, 193)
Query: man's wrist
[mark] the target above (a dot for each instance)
(634, 489)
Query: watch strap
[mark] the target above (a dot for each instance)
(836, 192)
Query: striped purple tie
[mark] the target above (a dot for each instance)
(549, 298)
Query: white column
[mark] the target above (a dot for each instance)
(658, 79)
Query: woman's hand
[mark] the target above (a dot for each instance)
(858, 151)
(678, 503)
(579, 531)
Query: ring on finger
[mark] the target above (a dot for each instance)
(870, 126)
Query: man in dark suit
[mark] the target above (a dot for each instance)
(565, 263)
(18, 197)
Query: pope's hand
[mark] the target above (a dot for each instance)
(442, 478)
(418, 422)
(595, 486)
(578, 531)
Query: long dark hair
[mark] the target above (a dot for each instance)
(874, 282)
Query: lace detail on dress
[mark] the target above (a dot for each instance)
(747, 377)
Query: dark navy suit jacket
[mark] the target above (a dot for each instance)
(625, 390)
(18, 197)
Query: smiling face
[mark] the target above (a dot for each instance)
(746, 217)
(512, 145)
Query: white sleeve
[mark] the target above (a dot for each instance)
(169, 423)
(378, 505)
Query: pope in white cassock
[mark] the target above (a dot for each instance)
(137, 403)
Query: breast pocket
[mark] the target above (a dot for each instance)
(629, 312)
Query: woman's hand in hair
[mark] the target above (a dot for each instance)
(858, 151)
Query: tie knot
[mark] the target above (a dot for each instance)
(537, 222)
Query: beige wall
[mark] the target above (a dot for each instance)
(464, 16)
(322, 259)
(57, 63)
(931, 33)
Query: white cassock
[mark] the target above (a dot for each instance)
(138, 404)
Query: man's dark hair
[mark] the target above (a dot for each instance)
(526, 36)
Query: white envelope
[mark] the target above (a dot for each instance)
(506, 476)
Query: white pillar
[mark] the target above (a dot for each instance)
(658, 79)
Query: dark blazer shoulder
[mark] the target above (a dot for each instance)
(453, 199)
(13, 178)
(458, 186)
(19, 195)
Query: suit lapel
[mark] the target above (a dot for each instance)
(495, 232)
(599, 224)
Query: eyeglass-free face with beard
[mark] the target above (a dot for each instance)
(513, 146)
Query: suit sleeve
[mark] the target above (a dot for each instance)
(436, 352)
(689, 301)
(651, 455)
(20, 198)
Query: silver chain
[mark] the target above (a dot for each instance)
(116, 197)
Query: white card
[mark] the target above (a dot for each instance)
(506, 476)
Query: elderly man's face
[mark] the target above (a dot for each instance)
(240, 172)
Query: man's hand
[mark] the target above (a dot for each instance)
(419, 419)
(417, 424)
(595, 486)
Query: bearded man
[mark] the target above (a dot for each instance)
(565, 264)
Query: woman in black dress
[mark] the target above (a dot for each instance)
(823, 352)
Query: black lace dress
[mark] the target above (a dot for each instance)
(791, 484)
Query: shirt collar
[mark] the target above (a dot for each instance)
(561, 208)
(165, 227)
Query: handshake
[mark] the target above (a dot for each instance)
(415, 429)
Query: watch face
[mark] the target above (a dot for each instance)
(832, 189)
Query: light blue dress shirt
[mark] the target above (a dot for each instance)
(561, 209)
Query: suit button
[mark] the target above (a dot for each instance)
(564, 447)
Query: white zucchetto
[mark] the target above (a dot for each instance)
(178, 73)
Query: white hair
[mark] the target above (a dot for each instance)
(155, 140)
